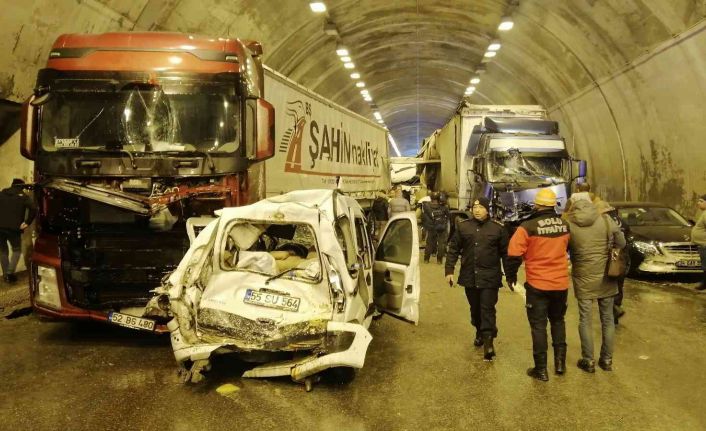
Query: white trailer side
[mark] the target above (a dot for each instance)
(318, 143)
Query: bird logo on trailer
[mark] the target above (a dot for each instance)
(327, 143)
(292, 138)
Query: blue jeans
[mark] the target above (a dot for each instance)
(605, 308)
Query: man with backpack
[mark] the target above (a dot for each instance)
(435, 219)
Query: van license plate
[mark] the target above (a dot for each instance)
(271, 300)
(131, 321)
(689, 263)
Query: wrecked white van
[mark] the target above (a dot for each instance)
(294, 273)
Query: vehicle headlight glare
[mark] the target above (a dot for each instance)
(47, 293)
(646, 248)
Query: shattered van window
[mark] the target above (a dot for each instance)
(287, 250)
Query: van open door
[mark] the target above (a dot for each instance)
(396, 280)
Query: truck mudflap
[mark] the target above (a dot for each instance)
(301, 368)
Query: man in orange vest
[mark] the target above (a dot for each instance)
(542, 241)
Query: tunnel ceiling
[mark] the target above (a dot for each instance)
(415, 56)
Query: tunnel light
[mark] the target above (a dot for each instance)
(494, 45)
(346, 59)
(381, 122)
(127, 112)
(317, 6)
(355, 75)
(394, 145)
(341, 50)
(377, 115)
(475, 80)
(349, 65)
(471, 89)
(175, 60)
(490, 54)
(364, 92)
(367, 98)
(360, 84)
(506, 24)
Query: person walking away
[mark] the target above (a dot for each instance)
(435, 219)
(593, 235)
(542, 241)
(398, 204)
(18, 211)
(482, 245)
(380, 212)
(698, 237)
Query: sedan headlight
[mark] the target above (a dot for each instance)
(47, 293)
(646, 248)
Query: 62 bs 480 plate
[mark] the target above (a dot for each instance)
(271, 300)
(131, 321)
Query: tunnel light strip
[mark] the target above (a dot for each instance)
(394, 145)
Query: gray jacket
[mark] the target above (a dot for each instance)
(589, 251)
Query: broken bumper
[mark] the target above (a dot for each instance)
(345, 346)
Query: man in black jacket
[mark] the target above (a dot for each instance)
(16, 213)
(482, 245)
(435, 220)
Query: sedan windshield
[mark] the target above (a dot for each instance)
(143, 118)
(652, 216)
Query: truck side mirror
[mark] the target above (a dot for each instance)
(28, 133)
(259, 129)
(476, 170)
(579, 169)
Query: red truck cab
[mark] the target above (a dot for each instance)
(132, 134)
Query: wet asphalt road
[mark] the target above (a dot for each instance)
(87, 376)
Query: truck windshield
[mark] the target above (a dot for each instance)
(143, 118)
(514, 167)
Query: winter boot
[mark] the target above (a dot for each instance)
(539, 371)
(560, 360)
(587, 365)
(488, 349)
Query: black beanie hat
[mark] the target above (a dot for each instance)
(482, 201)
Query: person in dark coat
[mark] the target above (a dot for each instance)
(435, 220)
(18, 211)
(481, 243)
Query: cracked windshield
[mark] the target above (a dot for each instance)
(144, 118)
(515, 165)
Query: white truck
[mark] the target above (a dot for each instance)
(503, 152)
(321, 145)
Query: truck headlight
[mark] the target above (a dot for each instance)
(646, 248)
(47, 293)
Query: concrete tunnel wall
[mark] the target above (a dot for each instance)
(626, 78)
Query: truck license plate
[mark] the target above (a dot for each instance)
(689, 263)
(131, 321)
(271, 300)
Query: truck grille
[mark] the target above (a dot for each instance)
(118, 269)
